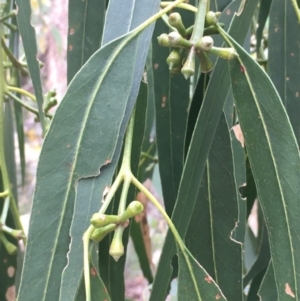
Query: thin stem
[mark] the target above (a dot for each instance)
(126, 161)
(158, 15)
(5, 209)
(13, 59)
(5, 177)
(147, 156)
(24, 104)
(123, 199)
(142, 161)
(200, 22)
(9, 15)
(21, 91)
(297, 11)
(156, 203)
(182, 5)
(86, 263)
(4, 194)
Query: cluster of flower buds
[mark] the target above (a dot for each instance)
(105, 224)
(184, 52)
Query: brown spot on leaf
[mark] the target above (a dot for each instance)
(239, 134)
(208, 279)
(107, 161)
(289, 291)
(242, 69)
(72, 31)
(68, 146)
(156, 66)
(93, 271)
(70, 48)
(297, 94)
(11, 293)
(11, 271)
(292, 54)
(276, 29)
(228, 12)
(218, 297)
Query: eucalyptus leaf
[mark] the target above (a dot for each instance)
(267, 290)
(284, 58)
(194, 283)
(216, 211)
(89, 141)
(202, 138)
(275, 163)
(30, 48)
(86, 21)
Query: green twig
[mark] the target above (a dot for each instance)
(4, 172)
(199, 22)
(23, 104)
(26, 106)
(297, 11)
(13, 59)
(21, 91)
(4, 212)
(182, 5)
(4, 194)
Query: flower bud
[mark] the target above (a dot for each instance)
(116, 249)
(176, 21)
(188, 68)
(10, 248)
(163, 40)
(176, 40)
(205, 43)
(211, 18)
(99, 220)
(206, 64)
(224, 53)
(174, 60)
(133, 209)
(99, 233)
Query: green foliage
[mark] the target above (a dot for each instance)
(225, 141)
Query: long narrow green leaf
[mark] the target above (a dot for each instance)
(30, 48)
(219, 5)
(254, 286)
(97, 287)
(194, 283)
(8, 262)
(268, 291)
(284, 58)
(264, 10)
(86, 20)
(238, 153)
(275, 163)
(262, 259)
(171, 107)
(14, 45)
(205, 128)
(95, 186)
(86, 133)
(214, 217)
